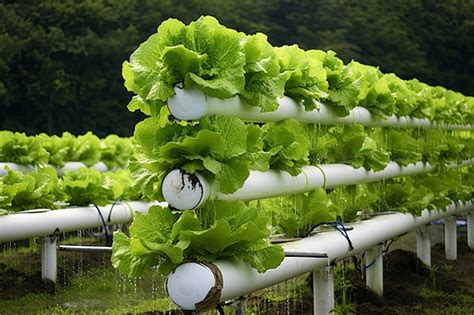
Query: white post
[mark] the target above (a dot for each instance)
(450, 238)
(323, 291)
(470, 229)
(423, 244)
(49, 259)
(374, 269)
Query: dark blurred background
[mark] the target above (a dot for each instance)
(60, 61)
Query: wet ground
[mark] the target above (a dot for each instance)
(412, 288)
(87, 284)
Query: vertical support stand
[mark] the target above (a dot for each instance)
(470, 229)
(423, 244)
(450, 238)
(374, 269)
(49, 259)
(323, 291)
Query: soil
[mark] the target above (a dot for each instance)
(410, 287)
(18, 282)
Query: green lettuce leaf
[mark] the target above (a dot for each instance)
(218, 230)
(203, 54)
(264, 82)
(307, 81)
(33, 190)
(289, 147)
(354, 146)
(88, 186)
(297, 215)
(19, 148)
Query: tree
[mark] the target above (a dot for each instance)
(60, 61)
(61, 64)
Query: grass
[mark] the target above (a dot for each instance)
(97, 291)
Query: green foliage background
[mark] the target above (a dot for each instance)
(60, 61)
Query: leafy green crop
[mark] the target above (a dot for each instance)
(87, 185)
(224, 63)
(20, 191)
(21, 149)
(203, 53)
(412, 194)
(298, 214)
(288, 145)
(307, 81)
(216, 147)
(43, 189)
(42, 150)
(218, 230)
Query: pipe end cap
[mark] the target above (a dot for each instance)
(184, 191)
(189, 285)
(189, 104)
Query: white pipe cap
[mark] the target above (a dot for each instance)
(189, 284)
(188, 104)
(184, 191)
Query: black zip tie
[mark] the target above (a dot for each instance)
(107, 237)
(110, 212)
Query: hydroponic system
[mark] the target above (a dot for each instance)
(246, 143)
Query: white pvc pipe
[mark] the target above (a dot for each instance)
(374, 269)
(323, 291)
(15, 167)
(276, 183)
(73, 166)
(193, 104)
(423, 244)
(43, 222)
(450, 238)
(273, 183)
(49, 266)
(470, 229)
(185, 284)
